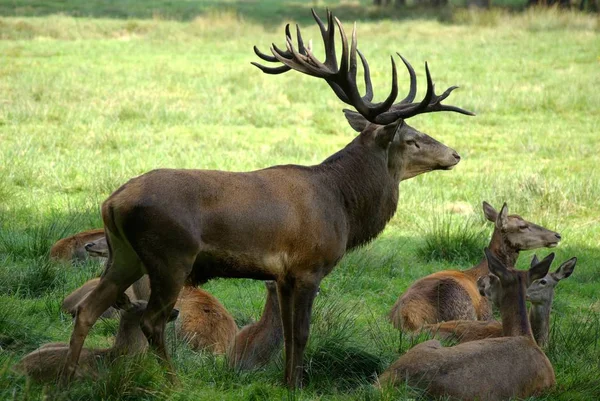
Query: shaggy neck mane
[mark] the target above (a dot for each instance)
(367, 190)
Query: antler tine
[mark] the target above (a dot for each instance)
(413, 81)
(271, 59)
(430, 103)
(367, 72)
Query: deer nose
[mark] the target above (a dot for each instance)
(557, 235)
(456, 156)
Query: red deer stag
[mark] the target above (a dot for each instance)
(190, 226)
(453, 294)
(485, 370)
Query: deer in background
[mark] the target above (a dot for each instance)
(45, 363)
(73, 248)
(189, 226)
(490, 369)
(453, 294)
(256, 343)
(540, 294)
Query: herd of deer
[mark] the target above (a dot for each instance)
(167, 231)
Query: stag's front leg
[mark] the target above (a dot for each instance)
(304, 295)
(286, 305)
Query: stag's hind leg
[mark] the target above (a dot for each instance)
(122, 269)
(167, 277)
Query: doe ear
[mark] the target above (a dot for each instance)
(123, 302)
(534, 261)
(565, 270)
(502, 219)
(496, 267)
(540, 269)
(489, 212)
(356, 121)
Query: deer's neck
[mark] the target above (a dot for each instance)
(501, 249)
(130, 339)
(513, 311)
(539, 318)
(367, 190)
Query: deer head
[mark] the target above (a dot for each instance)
(519, 233)
(409, 152)
(541, 291)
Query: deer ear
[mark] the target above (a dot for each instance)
(356, 121)
(489, 212)
(565, 270)
(540, 269)
(496, 267)
(502, 219)
(534, 261)
(385, 135)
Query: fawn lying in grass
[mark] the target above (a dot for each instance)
(490, 369)
(540, 293)
(452, 294)
(73, 248)
(45, 363)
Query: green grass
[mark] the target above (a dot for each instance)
(94, 93)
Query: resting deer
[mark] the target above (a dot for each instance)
(453, 294)
(45, 363)
(255, 344)
(206, 325)
(540, 293)
(190, 226)
(73, 248)
(490, 369)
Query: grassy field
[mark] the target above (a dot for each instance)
(93, 97)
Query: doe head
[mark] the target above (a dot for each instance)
(541, 291)
(511, 280)
(519, 233)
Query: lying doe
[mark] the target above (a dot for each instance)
(45, 363)
(71, 301)
(256, 343)
(490, 369)
(189, 226)
(453, 294)
(206, 325)
(540, 293)
(73, 248)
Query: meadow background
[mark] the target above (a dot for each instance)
(94, 93)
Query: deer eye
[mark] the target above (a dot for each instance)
(411, 142)
(522, 228)
(543, 282)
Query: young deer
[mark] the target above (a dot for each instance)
(453, 294)
(191, 226)
(490, 369)
(73, 248)
(45, 363)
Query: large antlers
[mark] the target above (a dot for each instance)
(342, 80)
